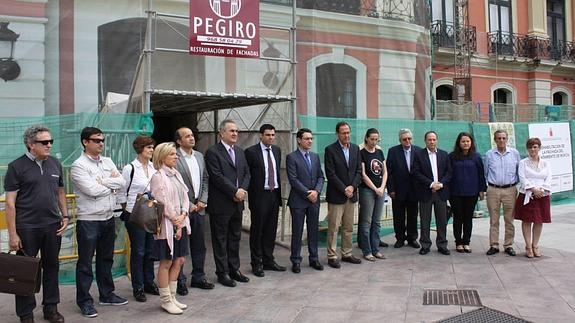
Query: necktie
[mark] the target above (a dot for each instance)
(308, 162)
(232, 155)
(408, 159)
(271, 179)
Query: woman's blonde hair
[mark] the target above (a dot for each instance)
(160, 152)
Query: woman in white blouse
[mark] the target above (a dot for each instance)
(137, 175)
(533, 205)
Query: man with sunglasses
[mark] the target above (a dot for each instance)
(96, 181)
(401, 189)
(37, 216)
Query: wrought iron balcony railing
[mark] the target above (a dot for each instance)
(507, 44)
(443, 35)
(413, 11)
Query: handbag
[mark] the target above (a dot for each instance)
(19, 274)
(147, 213)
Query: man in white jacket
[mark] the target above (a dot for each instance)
(96, 181)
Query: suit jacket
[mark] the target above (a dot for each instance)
(399, 179)
(223, 176)
(422, 172)
(258, 171)
(301, 180)
(184, 170)
(339, 174)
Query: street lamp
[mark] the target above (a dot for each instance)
(270, 78)
(9, 69)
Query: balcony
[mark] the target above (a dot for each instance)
(533, 47)
(443, 35)
(412, 11)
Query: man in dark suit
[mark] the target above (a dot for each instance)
(192, 167)
(229, 177)
(343, 171)
(264, 196)
(306, 179)
(432, 170)
(401, 189)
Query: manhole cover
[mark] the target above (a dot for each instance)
(484, 314)
(463, 297)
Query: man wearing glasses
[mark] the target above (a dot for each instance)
(96, 181)
(401, 189)
(37, 216)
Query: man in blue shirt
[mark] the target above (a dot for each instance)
(500, 166)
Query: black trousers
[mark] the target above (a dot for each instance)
(440, 211)
(226, 236)
(462, 208)
(48, 243)
(263, 228)
(197, 249)
(310, 216)
(94, 237)
(404, 219)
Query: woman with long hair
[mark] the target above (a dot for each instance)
(533, 205)
(371, 195)
(466, 186)
(167, 187)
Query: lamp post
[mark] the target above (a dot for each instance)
(270, 78)
(9, 69)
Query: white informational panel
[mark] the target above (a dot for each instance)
(556, 149)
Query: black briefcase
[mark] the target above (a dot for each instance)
(19, 275)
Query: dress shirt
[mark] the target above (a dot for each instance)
(501, 169)
(531, 177)
(194, 168)
(433, 160)
(345, 152)
(407, 154)
(265, 157)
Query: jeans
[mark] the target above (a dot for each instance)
(462, 208)
(370, 208)
(94, 237)
(141, 264)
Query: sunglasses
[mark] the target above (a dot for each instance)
(97, 141)
(44, 142)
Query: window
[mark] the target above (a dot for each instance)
(500, 27)
(560, 98)
(502, 96)
(556, 26)
(336, 91)
(444, 92)
(443, 23)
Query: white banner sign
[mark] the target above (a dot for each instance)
(556, 149)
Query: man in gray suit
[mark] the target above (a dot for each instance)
(192, 167)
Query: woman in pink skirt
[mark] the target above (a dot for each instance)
(533, 205)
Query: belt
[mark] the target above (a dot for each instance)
(502, 186)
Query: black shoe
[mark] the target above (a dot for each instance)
(334, 263)
(139, 295)
(274, 267)
(258, 271)
(316, 265)
(510, 251)
(88, 310)
(181, 289)
(351, 259)
(492, 251)
(52, 317)
(423, 251)
(413, 244)
(28, 319)
(296, 268)
(383, 244)
(444, 251)
(226, 281)
(203, 284)
(151, 289)
(113, 300)
(239, 277)
(398, 244)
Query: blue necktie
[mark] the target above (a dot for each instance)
(308, 162)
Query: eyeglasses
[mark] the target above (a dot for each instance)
(406, 139)
(97, 140)
(44, 142)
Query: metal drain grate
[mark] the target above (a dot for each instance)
(463, 297)
(484, 315)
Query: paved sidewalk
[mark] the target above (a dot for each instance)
(390, 290)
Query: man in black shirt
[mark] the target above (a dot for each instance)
(37, 216)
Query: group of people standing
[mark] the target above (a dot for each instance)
(191, 185)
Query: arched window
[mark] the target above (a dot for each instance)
(444, 92)
(502, 96)
(336, 91)
(560, 98)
